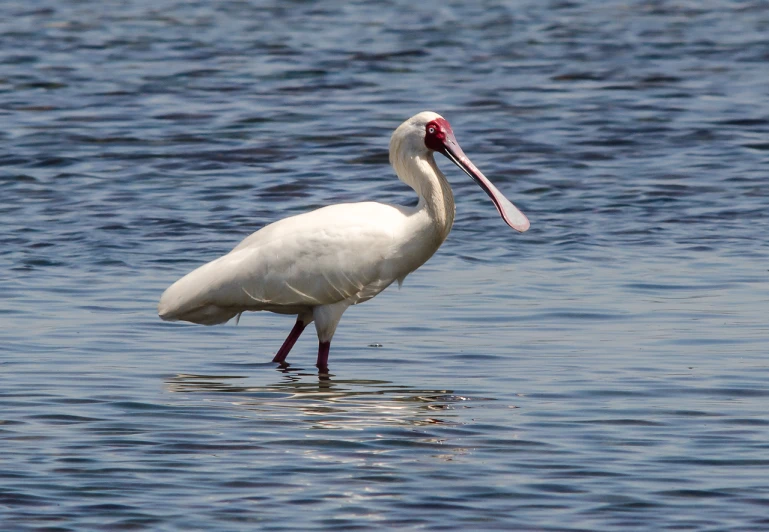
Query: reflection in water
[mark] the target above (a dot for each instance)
(328, 402)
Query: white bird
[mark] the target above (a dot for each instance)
(315, 265)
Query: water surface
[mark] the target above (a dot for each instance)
(605, 370)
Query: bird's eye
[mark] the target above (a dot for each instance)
(431, 130)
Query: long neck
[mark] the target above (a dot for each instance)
(435, 197)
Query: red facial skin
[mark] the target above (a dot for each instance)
(436, 134)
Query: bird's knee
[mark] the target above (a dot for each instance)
(327, 318)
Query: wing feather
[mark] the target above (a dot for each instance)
(341, 252)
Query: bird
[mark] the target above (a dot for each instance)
(317, 264)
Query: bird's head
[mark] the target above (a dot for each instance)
(428, 132)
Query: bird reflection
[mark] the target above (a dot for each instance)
(327, 401)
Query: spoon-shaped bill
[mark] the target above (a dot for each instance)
(509, 212)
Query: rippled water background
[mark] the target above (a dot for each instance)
(606, 370)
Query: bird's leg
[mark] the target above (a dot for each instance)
(293, 336)
(326, 319)
(302, 321)
(323, 348)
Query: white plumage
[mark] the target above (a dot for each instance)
(317, 264)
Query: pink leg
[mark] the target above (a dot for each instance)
(322, 363)
(293, 336)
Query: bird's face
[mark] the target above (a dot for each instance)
(438, 133)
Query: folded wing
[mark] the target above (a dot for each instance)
(341, 252)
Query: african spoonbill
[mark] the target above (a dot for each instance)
(315, 265)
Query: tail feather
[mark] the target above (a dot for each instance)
(203, 315)
(192, 298)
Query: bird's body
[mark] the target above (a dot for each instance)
(348, 252)
(315, 265)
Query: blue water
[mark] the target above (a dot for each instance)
(607, 370)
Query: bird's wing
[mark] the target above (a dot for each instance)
(341, 252)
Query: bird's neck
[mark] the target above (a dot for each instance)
(435, 196)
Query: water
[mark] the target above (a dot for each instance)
(606, 370)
